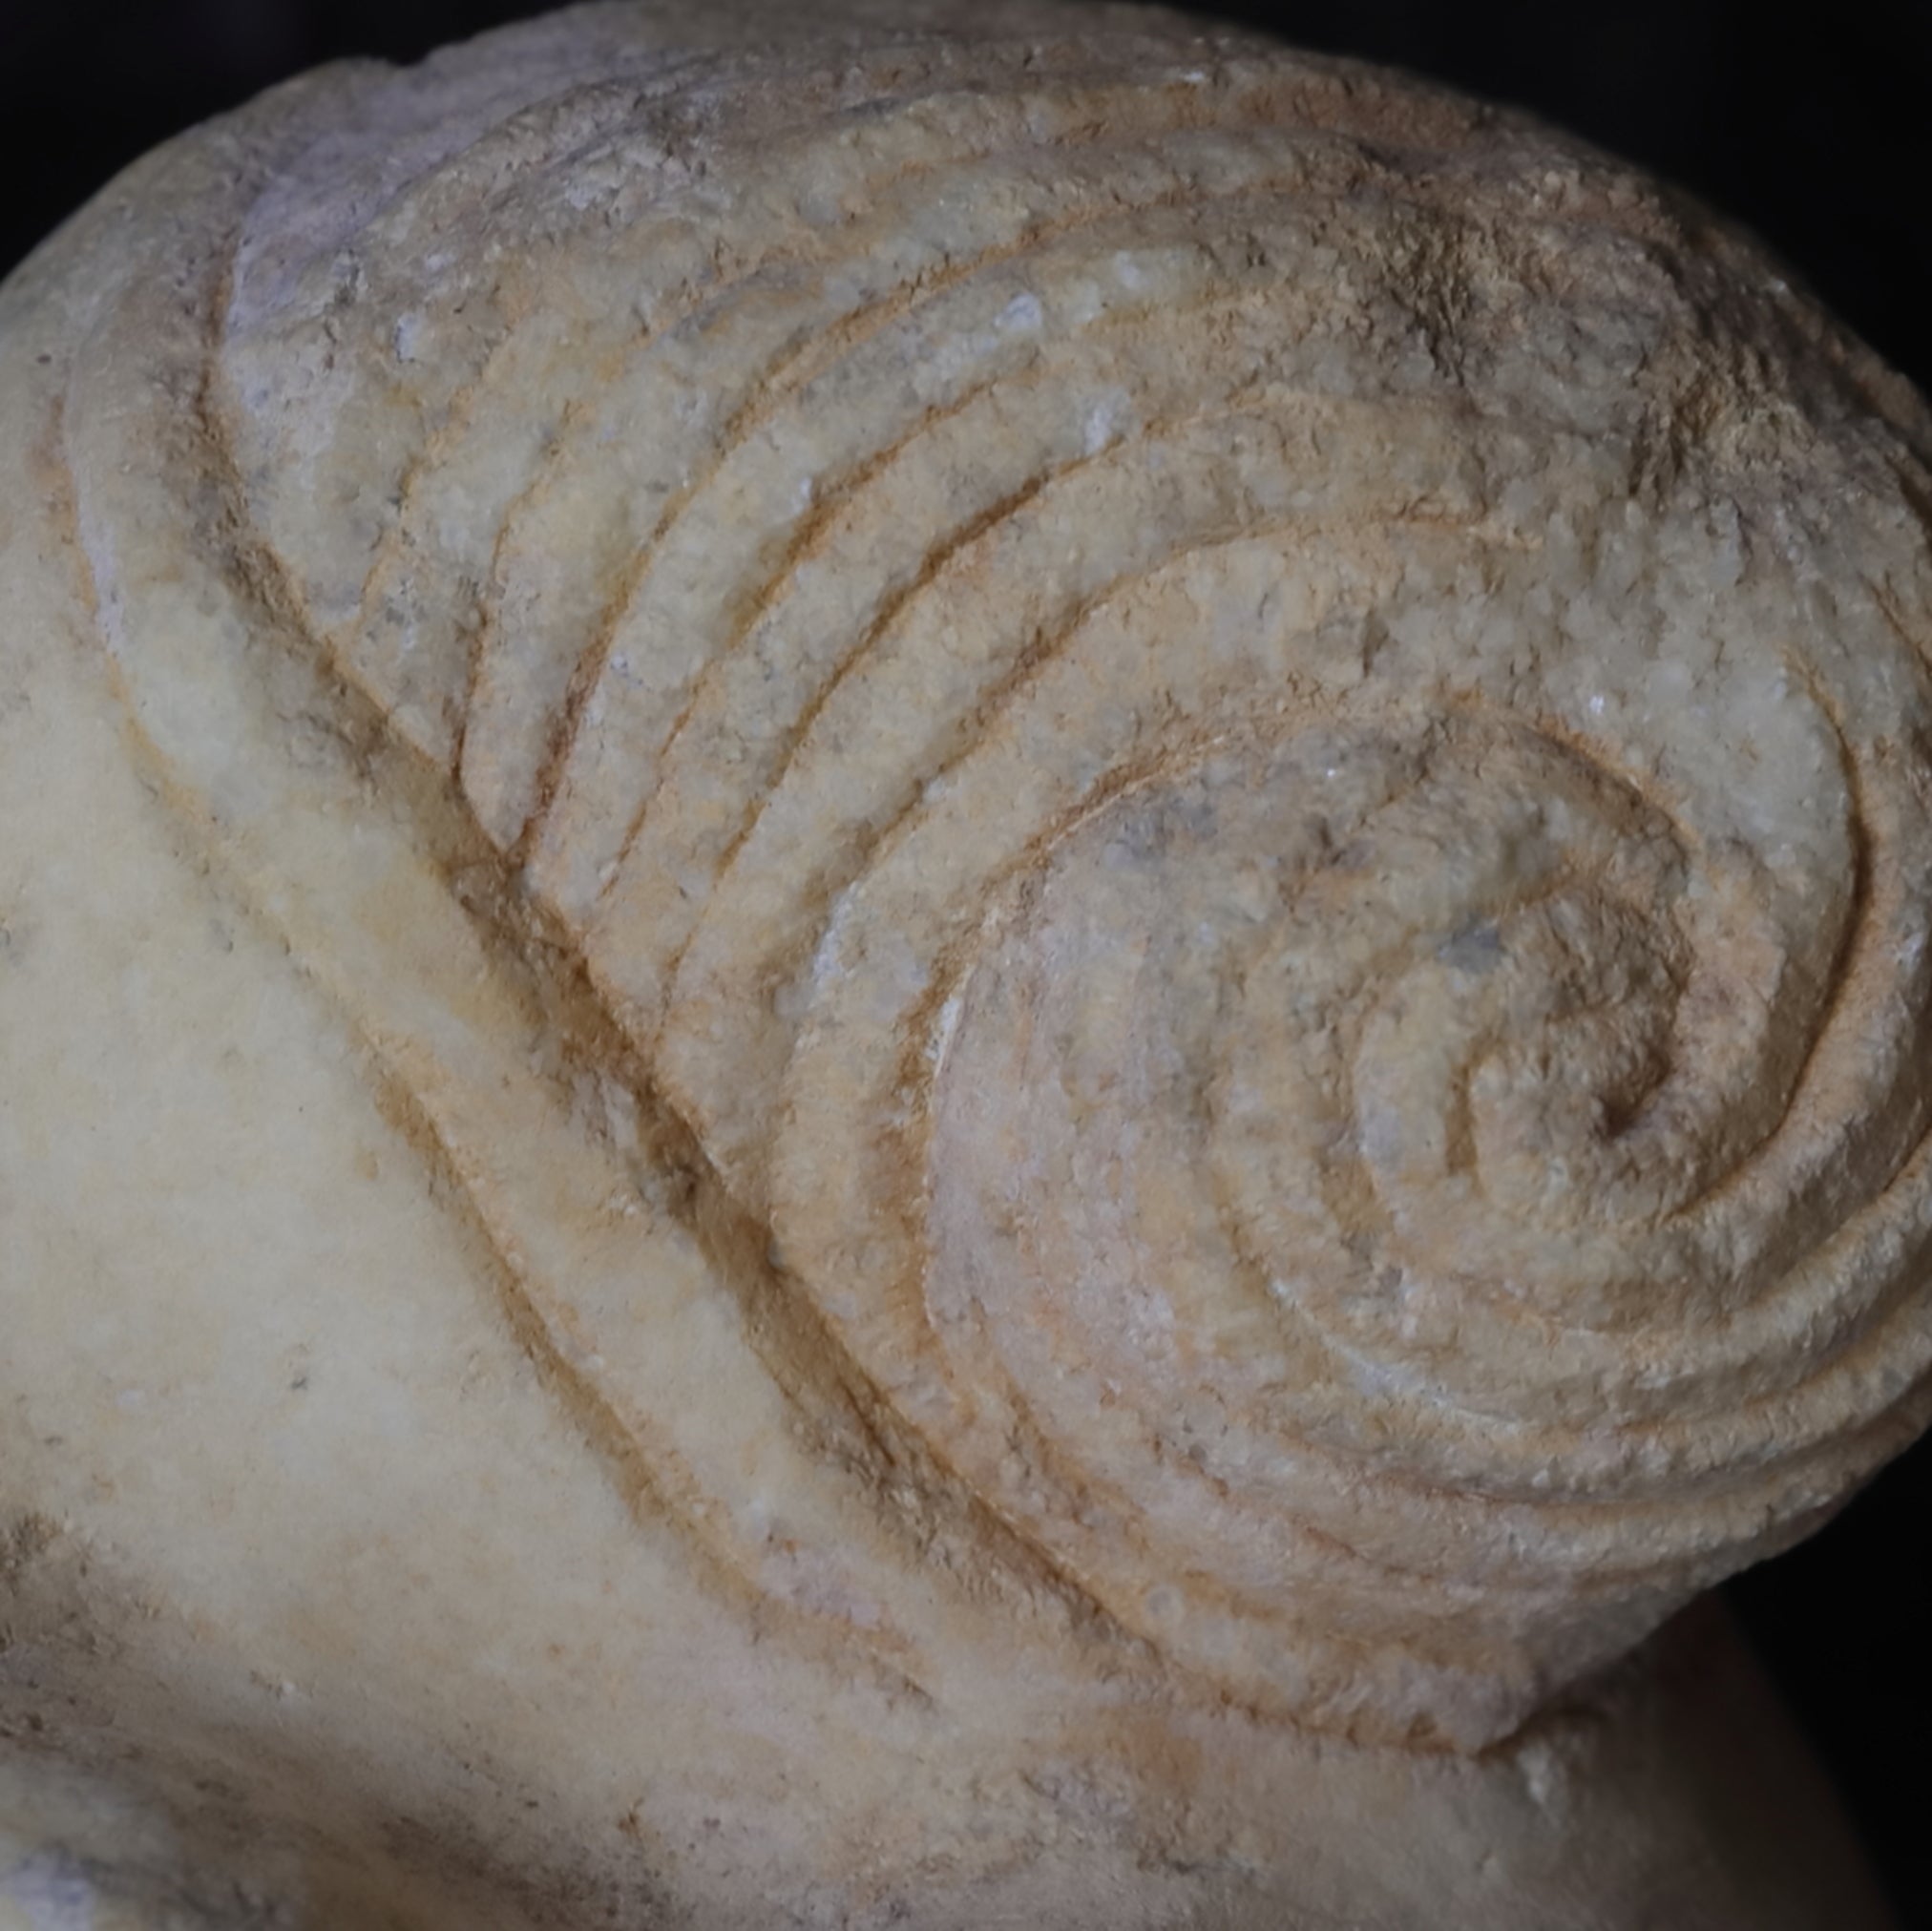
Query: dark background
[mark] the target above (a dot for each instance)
(1817, 134)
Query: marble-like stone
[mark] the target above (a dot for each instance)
(959, 965)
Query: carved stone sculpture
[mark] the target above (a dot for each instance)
(958, 964)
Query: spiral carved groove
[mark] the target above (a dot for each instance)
(1222, 768)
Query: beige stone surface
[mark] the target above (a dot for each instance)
(960, 966)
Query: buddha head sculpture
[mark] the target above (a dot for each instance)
(964, 963)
